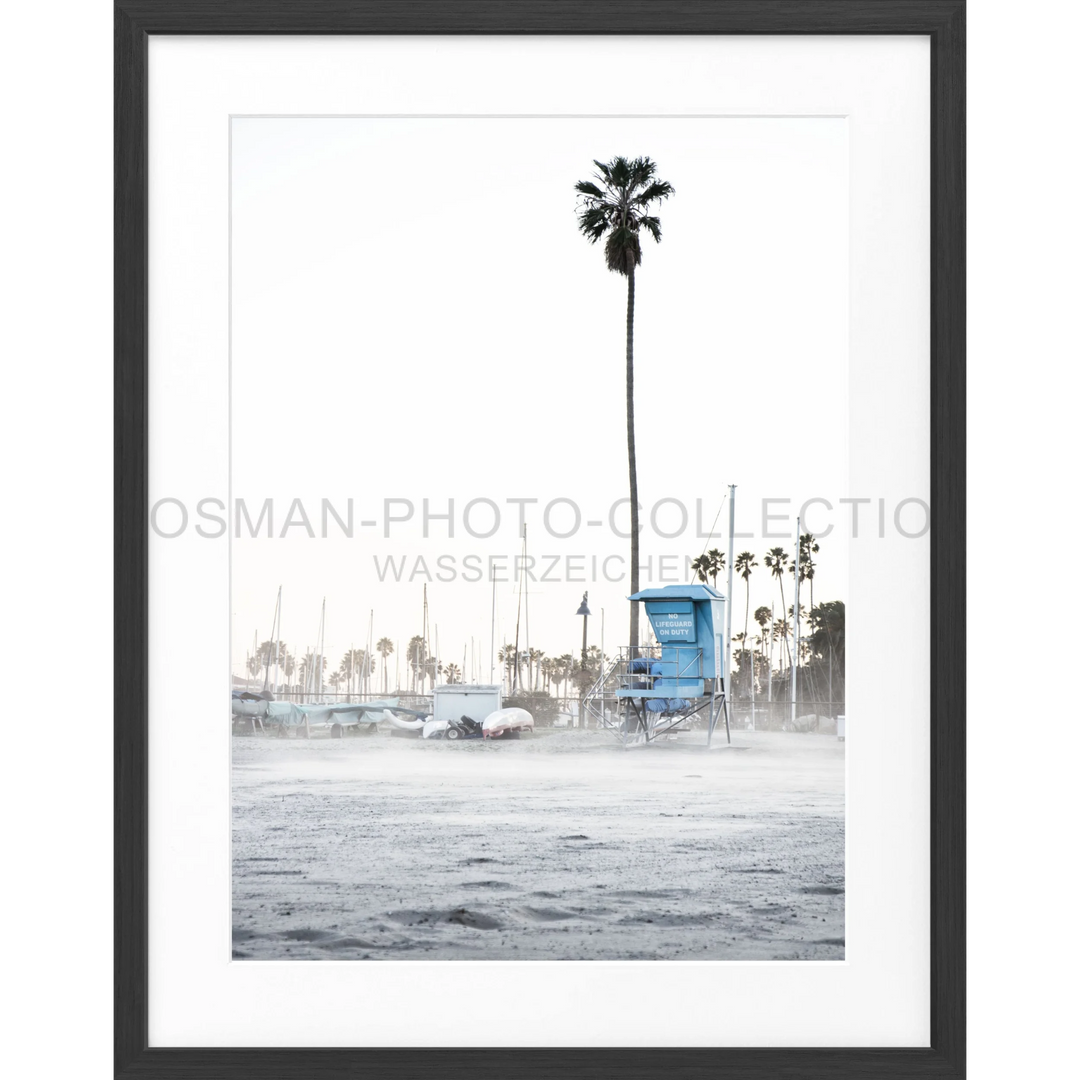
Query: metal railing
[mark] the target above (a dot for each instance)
(636, 666)
(810, 715)
(407, 699)
(598, 697)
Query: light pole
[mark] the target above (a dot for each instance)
(585, 613)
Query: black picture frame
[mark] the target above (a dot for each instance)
(943, 21)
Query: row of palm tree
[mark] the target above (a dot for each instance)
(708, 565)
(423, 667)
(820, 657)
(825, 622)
(278, 664)
(525, 669)
(528, 670)
(357, 668)
(532, 671)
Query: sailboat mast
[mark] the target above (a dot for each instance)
(772, 640)
(426, 646)
(276, 638)
(525, 560)
(367, 654)
(517, 628)
(491, 675)
(271, 652)
(322, 645)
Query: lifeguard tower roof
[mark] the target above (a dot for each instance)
(679, 592)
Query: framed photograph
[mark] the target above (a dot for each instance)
(516, 405)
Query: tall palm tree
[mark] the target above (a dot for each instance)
(266, 655)
(433, 669)
(808, 548)
(708, 565)
(536, 661)
(345, 669)
(384, 648)
(354, 666)
(562, 666)
(801, 616)
(763, 616)
(508, 655)
(547, 665)
(827, 629)
(717, 562)
(309, 666)
(269, 654)
(555, 677)
(781, 629)
(365, 668)
(416, 655)
(273, 655)
(740, 658)
(453, 673)
(615, 206)
(700, 566)
(776, 560)
(745, 562)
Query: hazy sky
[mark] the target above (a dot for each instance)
(415, 316)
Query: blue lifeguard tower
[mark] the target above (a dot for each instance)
(662, 686)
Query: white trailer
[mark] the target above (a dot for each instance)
(476, 701)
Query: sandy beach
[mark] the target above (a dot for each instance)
(563, 846)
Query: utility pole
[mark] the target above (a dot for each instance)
(730, 587)
(795, 617)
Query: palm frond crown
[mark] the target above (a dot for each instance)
(615, 206)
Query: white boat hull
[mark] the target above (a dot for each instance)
(499, 723)
(411, 723)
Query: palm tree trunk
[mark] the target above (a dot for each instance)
(746, 636)
(783, 612)
(631, 450)
(746, 617)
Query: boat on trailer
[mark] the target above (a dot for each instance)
(288, 717)
(505, 722)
